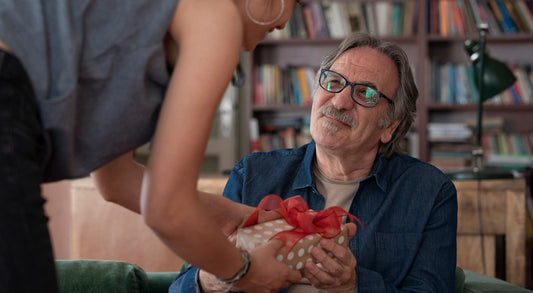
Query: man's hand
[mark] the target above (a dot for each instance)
(335, 274)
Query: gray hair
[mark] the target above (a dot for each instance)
(404, 107)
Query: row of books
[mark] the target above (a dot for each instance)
(459, 17)
(449, 132)
(504, 149)
(291, 85)
(337, 19)
(455, 84)
(508, 143)
(278, 133)
(500, 150)
(287, 138)
(452, 144)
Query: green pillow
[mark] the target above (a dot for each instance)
(100, 276)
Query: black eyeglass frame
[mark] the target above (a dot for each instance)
(352, 84)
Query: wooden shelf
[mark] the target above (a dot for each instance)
(420, 47)
(486, 108)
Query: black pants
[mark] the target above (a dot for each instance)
(26, 257)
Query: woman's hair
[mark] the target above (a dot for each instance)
(404, 107)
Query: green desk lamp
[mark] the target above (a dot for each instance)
(492, 78)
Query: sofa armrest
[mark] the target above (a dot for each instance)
(90, 276)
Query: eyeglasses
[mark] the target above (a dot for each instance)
(362, 94)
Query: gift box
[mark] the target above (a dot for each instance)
(254, 236)
(300, 229)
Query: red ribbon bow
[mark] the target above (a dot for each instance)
(296, 212)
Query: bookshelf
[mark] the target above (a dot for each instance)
(431, 37)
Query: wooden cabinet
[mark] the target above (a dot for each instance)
(424, 44)
(503, 228)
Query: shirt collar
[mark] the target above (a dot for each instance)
(304, 177)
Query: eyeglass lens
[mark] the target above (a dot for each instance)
(361, 94)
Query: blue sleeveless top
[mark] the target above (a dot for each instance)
(98, 71)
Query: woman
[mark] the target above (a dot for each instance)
(83, 83)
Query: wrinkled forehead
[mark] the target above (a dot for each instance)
(364, 64)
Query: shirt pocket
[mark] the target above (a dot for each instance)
(396, 252)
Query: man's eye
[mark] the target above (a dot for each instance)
(334, 84)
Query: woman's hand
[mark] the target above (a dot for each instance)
(335, 274)
(267, 274)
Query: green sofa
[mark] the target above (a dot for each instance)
(102, 276)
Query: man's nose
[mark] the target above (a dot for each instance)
(343, 100)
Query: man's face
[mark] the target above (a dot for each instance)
(337, 122)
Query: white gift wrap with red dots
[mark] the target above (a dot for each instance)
(254, 236)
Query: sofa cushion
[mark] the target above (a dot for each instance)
(478, 283)
(92, 276)
(160, 281)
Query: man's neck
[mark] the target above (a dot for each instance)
(345, 168)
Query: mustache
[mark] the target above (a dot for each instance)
(340, 115)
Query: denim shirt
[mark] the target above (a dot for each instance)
(408, 208)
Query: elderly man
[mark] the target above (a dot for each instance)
(364, 104)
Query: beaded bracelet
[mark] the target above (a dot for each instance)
(240, 274)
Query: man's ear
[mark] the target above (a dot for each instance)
(387, 133)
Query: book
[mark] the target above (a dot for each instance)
(472, 84)
(318, 19)
(475, 13)
(433, 17)
(469, 18)
(370, 17)
(444, 17)
(458, 18)
(515, 16)
(297, 92)
(396, 22)
(523, 10)
(499, 9)
(409, 15)
(383, 16)
(297, 23)
(303, 85)
(488, 16)
(254, 135)
(461, 93)
(306, 11)
(356, 17)
(258, 84)
(334, 19)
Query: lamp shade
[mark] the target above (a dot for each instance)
(497, 77)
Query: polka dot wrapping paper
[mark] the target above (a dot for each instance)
(254, 236)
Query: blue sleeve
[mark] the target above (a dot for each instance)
(235, 183)
(185, 282)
